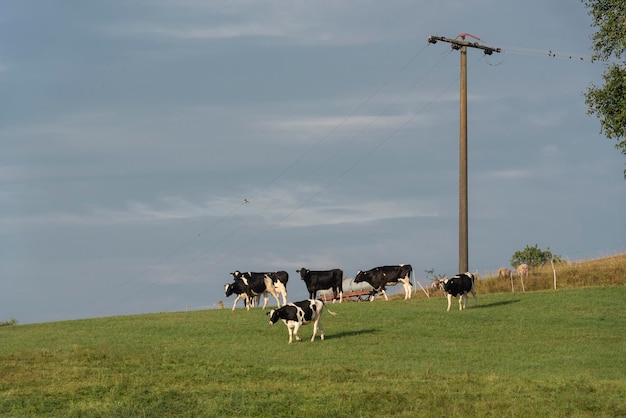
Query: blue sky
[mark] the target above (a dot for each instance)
(132, 132)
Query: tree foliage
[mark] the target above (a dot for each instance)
(533, 256)
(608, 102)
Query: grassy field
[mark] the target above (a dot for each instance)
(542, 353)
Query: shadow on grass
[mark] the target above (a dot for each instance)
(351, 333)
(491, 305)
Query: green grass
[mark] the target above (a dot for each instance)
(545, 353)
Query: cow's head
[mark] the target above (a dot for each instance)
(360, 276)
(228, 289)
(236, 274)
(439, 283)
(273, 314)
(303, 272)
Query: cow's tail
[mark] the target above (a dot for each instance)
(329, 311)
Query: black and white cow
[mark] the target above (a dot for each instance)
(239, 288)
(296, 314)
(379, 277)
(257, 284)
(279, 279)
(323, 279)
(460, 285)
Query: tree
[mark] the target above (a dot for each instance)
(533, 256)
(608, 102)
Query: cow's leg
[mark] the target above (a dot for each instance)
(318, 325)
(296, 327)
(248, 301)
(474, 294)
(401, 281)
(462, 299)
(273, 292)
(449, 301)
(315, 326)
(290, 328)
(265, 300)
(407, 288)
(384, 294)
(269, 286)
(282, 290)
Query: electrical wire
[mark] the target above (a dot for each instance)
(547, 53)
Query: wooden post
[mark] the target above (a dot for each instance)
(462, 44)
(463, 228)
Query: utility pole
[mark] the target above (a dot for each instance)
(462, 45)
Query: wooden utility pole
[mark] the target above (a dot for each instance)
(462, 45)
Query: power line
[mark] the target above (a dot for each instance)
(549, 53)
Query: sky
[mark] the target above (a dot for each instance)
(150, 148)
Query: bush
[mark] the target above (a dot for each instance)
(533, 256)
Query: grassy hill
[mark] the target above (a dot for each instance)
(606, 271)
(599, 272)
(539, 353)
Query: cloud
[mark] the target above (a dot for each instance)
(510, 174)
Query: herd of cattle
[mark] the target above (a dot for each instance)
(249, 286)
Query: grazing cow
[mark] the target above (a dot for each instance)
(460, 285)
(504, 273)
(300, 313)
(257, 284)
(323, 279)
(379, 277)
